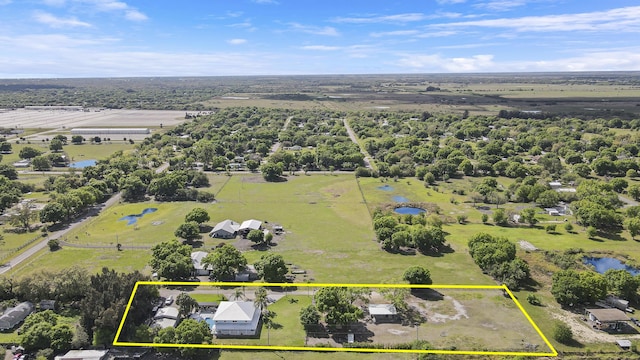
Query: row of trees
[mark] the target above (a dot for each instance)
(571, 287)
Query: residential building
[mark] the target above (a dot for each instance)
(15, 315)
(236, 318)
(199, 268)
(225, 230)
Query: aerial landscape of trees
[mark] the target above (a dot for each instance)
(488, 183)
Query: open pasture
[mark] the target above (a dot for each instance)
(91, 259)
(327, 224)
(84, 151)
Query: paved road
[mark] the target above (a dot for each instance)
(368, 161)
(276, 146)
(61, 233)
(56, 235)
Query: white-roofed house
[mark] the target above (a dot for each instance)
(249, 225)
(15, 315)
(165, 317)
(236, 318)
(383, 312)
(199, 268)
(225, 230)
(83, 355)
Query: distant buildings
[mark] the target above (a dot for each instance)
(109, 131)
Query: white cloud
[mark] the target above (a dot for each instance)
(501, 5)
(135, 15)
(620, 19)
(76, 62)
(237, 41)
(603, 60)
(468, 46)
(315, 30)
(433, 34)
(127, 11)
(52, 42)
(107, 5)
(56, 22)
(234, 14)
(395, 33)
(54, 2)
(398, 18)
(321, 48)
(448, 2)
(438, 63)
(244, 25)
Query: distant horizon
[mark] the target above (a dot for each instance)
(459, 74)
(136, 38)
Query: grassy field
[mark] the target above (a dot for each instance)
(75, 152)
(328, 233)
(93, 260)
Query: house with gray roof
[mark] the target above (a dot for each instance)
(225, 230)
(15, 315)
(249, 225)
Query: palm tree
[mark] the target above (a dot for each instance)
(238, 294)
(261, 300)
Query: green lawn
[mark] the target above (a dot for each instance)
(75, 152)
(208, 297)
(11, 242)
(148, 230)
(93, 260)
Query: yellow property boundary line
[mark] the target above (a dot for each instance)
(503, 287)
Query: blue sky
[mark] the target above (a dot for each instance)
(106, 38)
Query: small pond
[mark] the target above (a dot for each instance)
(603, 264)
(406, 210)
(132, 219)
(400, 199)
(83, 164)
(385, 187)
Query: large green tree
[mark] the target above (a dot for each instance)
(621, 283)
(487, 250)
(29, 152)
(271, 171)
(172, 260)
(226, 261)
(272, 268)
(417, 275)
(189, 231)
(197, 215)
(337, 305)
